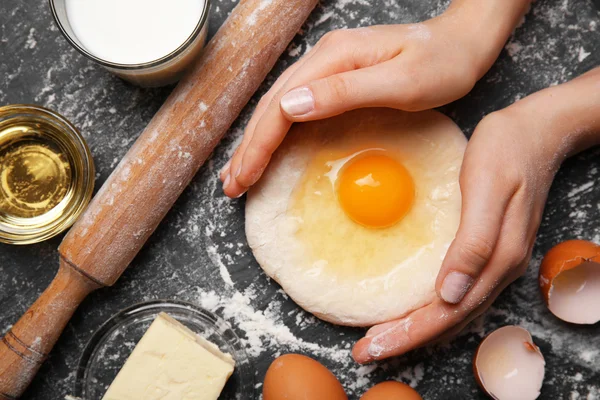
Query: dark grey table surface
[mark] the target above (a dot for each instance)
(199, 253)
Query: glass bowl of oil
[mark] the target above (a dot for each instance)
(46, 174)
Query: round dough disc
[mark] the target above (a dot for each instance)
(432, 149)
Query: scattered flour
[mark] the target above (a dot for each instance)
(214, 256)
(413, 375)
(513, 49)
(583, 188)
(294, 50)
(265, 328)
(582, 54)
(31, 42)
(343, 4)
(579, 215)
(324, 17)
(589, 356)
(536, 52)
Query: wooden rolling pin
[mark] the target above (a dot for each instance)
(146, 183)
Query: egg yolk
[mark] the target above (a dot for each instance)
(375, 190)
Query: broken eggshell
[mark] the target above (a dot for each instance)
(570, 281)
(508, 365)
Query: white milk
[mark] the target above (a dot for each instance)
(133, 31)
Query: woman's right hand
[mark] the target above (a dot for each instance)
(410, 67)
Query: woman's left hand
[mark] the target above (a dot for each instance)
(508, 168)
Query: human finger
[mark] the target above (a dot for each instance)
(360, 88)
(262, 105)
(485, 197)
(432, 321)
(334, 57)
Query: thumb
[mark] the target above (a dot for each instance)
(376, 86)
(483, 207)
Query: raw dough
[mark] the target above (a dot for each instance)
(332, 286)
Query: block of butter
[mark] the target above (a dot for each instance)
(172, 363)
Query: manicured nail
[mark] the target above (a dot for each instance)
(455, 286)
(241, 194)
(298, 102)
(363, 355)
(227, 180)
(225, 168)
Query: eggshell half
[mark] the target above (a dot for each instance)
(570, 281)
(509, 366)
(391, 390)
(297, 377)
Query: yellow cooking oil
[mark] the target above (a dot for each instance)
(35, 175)
(46, 174)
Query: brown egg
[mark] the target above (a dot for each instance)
(391, 391)
(297, 377)
(570, 281)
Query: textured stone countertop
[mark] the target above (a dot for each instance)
(199, 252)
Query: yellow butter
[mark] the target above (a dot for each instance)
(172, 363)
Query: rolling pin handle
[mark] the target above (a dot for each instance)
(26, 345)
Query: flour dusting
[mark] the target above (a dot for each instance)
(31, 42)
(582, 54)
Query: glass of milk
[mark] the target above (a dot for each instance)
(147, 42)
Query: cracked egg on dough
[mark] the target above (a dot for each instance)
(355, 213)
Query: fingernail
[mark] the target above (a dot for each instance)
(227, 180)
(455, 286)
(225, 167)
(241, 194)
(239, 171)
(298, 102)
(362, 356)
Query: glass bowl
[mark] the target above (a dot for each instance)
(163, 71)
(112, 344)
(37, 141)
